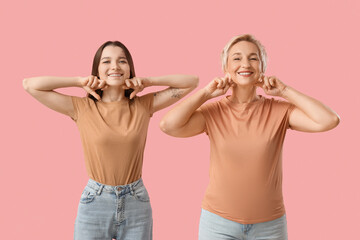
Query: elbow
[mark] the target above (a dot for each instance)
(25, 84)
(332, 122)
(168, 129)
(164, 126)
(195, 82)
(336, 120)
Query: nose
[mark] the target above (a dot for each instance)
(245, 63)
(115, 65)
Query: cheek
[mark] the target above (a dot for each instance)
(101, 71)
(257, 66)
(127, 70)
(231, 67)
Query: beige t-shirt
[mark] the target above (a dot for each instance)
(246, 159)
(113, 136)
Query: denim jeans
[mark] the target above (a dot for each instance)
(119, 212)
(214, 227)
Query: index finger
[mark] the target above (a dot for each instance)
(93, 93)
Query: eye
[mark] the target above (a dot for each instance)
(123, 62)
(236, 59)
(106, 62)
(254, 59)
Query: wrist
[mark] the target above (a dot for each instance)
(148, 81)
(79, 81)
(205, 94)
(284, 91)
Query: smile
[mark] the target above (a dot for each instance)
(246, 74)
(115, 75)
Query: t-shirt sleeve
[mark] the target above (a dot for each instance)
(286, 109)
(207, 110)
(147, 102)
(80, 104)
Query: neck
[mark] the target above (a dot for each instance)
(243, 94)
(113, 94)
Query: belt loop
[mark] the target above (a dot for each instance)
(100, 189)
(131, 190)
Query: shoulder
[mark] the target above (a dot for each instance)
(278, 106)
(277, 103)
(81, 103)
(213, 110)
(213, 106)
(145, 99)
(145, 102)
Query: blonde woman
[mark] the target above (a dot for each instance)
(113, 125)
(246, 131)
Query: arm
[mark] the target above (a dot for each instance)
(309, 115)
(42, 89)
(184, 120)
(179, 86)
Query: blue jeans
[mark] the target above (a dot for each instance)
(214, 227)
(119, 212)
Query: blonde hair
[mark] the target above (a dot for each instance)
(248, 38)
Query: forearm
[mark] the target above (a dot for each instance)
(314, 109)
(181, 113)
(175, 81)
(48, 83)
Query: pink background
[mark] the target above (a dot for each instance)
(312, 46)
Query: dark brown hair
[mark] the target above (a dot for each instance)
(96, 62)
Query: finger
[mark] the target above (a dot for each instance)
(260, 82)
(139, 81)
(217, 82)
(261, 78)
(223, 82)
(228, 77)
(91, 79)
(226, 88)
(127, 82)
(272, 81)
(266, 82)
(133, 94)
(95, 83)
(92, 92)
(85, 82)
(102, 84)
(134, 82)
(89, 82)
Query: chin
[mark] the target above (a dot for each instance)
(244, 82)
(114, 82)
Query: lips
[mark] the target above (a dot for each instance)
(115, 75)
(245, 73)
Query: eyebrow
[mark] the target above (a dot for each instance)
(237, 53)
(110, 57)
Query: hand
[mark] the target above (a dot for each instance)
(219, 86)
(136, 83)
(271, 85)
(92, 83)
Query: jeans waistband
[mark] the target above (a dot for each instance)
(123, 189)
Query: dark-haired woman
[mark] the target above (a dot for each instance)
(113, 125)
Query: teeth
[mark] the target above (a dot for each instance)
(245, 73)
(115, 75)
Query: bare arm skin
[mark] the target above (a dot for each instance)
(184, 120)
(42, 89)
(179, 86)
(309, 115)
